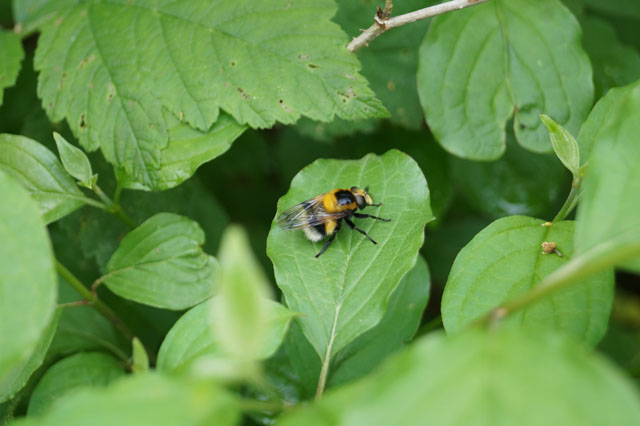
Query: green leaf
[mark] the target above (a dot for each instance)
(140, 357)
(161, 263)
(623, 8)
(82, 328)
(187, 150)
(244, 57)
(11, 55)
(240, 315)
(27, 281)
(82, 370)
(506, 260)
(75, 161)
(564, 144)
(483, 379)
(29, 14)
(482, 65)
(193, 335)
(18, 376)
(345, 292)
(608, 212)
(520, 182)
(143, 400)
(614, 63)
(40, 172)
(396, 328)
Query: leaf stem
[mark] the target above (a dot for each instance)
(570, 203)
(93, 300)
(114, 206)
(324, 371)
(382, 23)
(604, 255)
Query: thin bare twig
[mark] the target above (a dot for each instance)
(384, 23)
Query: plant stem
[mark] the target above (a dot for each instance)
(604, 255)
(324, 372)
(569, 203)
(113, 206)
(382, 24)
(93, 300)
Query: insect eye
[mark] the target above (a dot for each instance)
(360, 201)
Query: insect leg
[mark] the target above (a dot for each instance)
(353, 226)
(371, 216)
(329, 241)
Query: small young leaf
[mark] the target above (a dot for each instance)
(345, 292)
(564, 144)
(40, 172)
(194, 335)
(480, 66)
(161, 263)
(143, 400)
(18, 376)
(610, 204)
(140, 357)
(75, 161)
(27, 283)
(483, 378)
(505, 260)
(11, 54)
(85, 369)
(241, 311)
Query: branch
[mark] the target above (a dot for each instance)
(383, 23)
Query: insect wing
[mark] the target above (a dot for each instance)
(308, 213)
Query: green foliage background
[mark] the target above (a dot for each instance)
(147, 146)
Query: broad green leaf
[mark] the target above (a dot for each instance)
(390, 62)
(82, 328)
(194, 336)
(564, 144)
(11, 55)
(498, 378)
(345, 292)
(75, 161)
(520, 182)
(29, 14)
(396, 328)
(18, 376)
(506, 260)
(161, 263)
(244, 57)
(140, 357)
(240, 315)
(605, 110)
(27, 281)
(40, 172)
(187, 150)
(143, 400)
(614, 63)
(608, 212)
(85, 369)
(482, 65)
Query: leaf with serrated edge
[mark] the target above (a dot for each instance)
(482, 65)
(161, 263)
(192, 336)
(610, 200)
(40, 172)
(480, 378)
(244, 57)
(11, 54)
(84, 369)
(505, 260)
(28, 283)
(187, 150)
(345, 292)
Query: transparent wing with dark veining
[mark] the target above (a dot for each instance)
(308, 213)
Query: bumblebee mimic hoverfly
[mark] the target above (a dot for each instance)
(321, 216)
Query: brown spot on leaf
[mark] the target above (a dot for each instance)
(303, 57)
(313, 66)
(83, 123)
(242, 93)
(284, 106)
